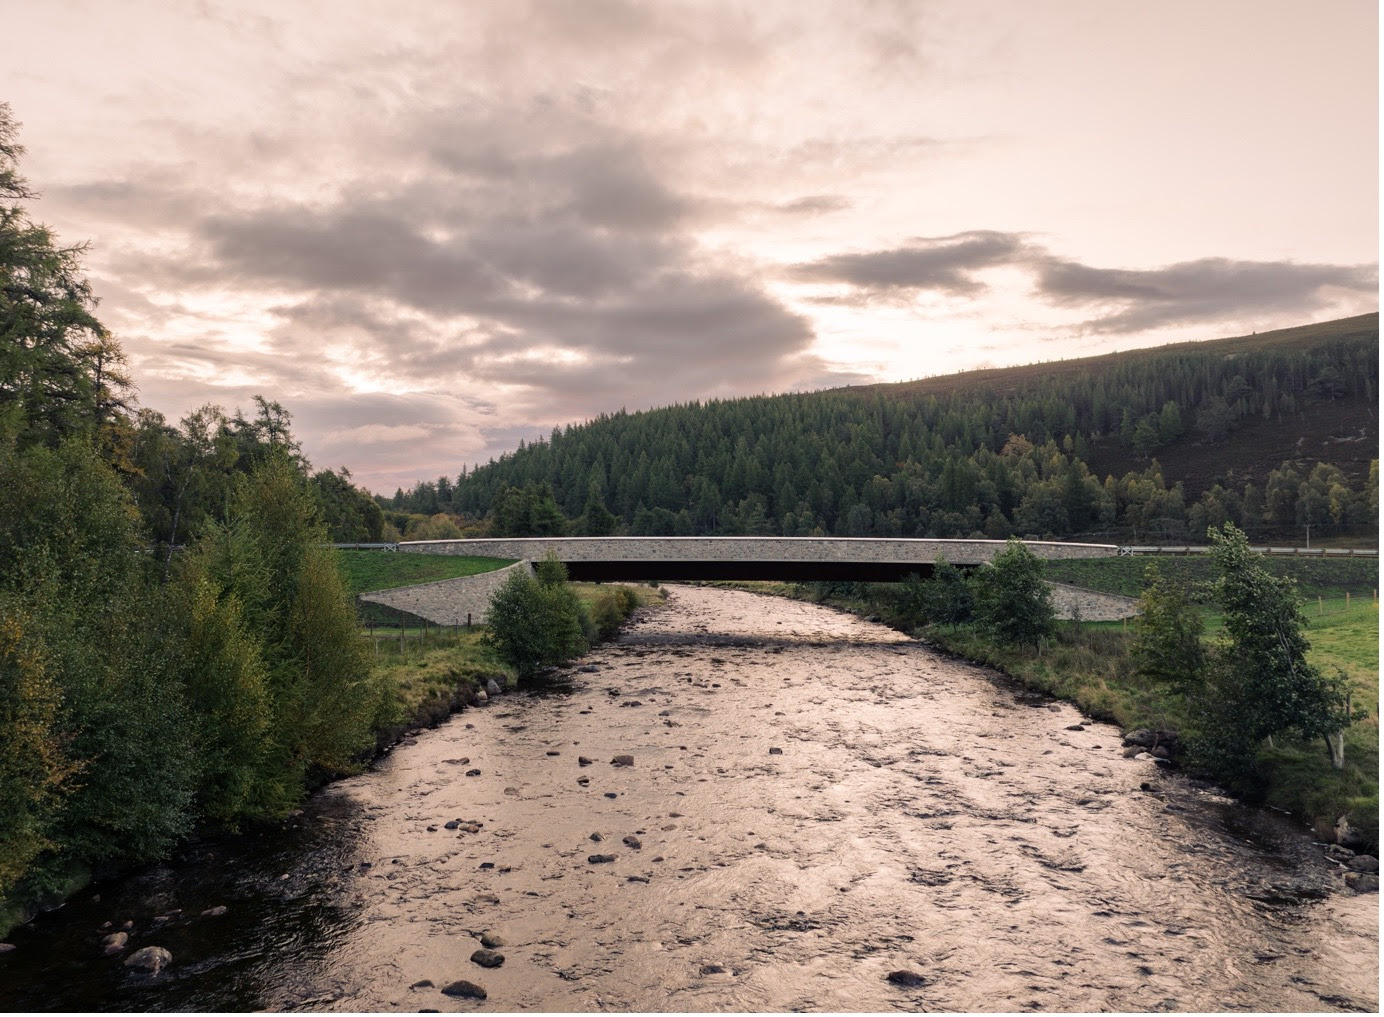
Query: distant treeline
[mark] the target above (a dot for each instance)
(999, 455)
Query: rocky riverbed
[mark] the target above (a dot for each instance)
(745, 804)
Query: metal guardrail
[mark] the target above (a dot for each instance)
(366, 547)
(1296, 552)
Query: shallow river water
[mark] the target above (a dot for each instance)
(815, 801)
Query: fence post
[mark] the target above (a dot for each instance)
(1347, 600)
(468, 621)
(1319, 605)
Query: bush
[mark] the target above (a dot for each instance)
(534, 623)
(1012, 601)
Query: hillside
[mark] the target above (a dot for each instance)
(1155, 443)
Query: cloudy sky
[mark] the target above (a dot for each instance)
(432, 228)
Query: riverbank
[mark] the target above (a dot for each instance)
(1088, 664)
(430, 675)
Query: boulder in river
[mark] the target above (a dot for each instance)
(1347, 835)
(907, 979)
(151, 958)
(622, 760)
(462, 989)
(1365, 882)
(487, 958)
(114, 943)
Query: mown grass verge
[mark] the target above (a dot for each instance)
(368, 571)
(1089, 664)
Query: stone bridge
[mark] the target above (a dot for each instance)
(782, 559)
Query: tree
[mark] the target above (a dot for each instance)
(1261, 683)
(536, 621)
(1167, 646)
(947, 597)
(60, 370)
(1012, 600)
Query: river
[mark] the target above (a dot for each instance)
(815, 802)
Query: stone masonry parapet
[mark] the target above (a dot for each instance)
(832, 549)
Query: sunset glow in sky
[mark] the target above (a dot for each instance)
(431, 229)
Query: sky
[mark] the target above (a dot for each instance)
(433, 229)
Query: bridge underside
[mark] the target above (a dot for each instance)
(748, 571)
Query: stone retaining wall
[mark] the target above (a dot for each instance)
(1075, 601)
(448, 601)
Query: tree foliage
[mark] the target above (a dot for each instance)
(1012, 600)
(536, 621)
(1167, 646)
(1260, 682)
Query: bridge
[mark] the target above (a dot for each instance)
(782, 559)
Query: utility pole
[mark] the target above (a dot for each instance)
(1308, 527)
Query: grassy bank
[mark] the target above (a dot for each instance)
(436, 669)
(1089, 665)
(367, 571)
(1326, 577)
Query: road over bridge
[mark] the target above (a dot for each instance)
(784, 559)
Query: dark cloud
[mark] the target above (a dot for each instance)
(928, 263)
(1206, 290)
(813, 204)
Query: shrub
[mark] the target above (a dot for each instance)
(1012, 600)
(534, 623)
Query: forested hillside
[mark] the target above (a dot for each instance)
(1273, 432)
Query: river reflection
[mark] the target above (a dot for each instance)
(814, 802)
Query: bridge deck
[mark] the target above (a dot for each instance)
(787, 559)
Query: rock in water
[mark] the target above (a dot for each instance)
(908, 979)
(462, 989)
(491, 688)
(151, 958)
(114, 943)
(622, 760)
(487, 958)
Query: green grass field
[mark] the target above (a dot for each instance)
(1327, 577)
(366, 571)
